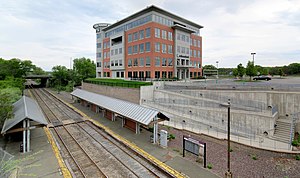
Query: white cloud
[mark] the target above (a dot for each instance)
(51, 32)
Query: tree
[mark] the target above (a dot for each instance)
(281, 72)
(60, 76)
(84, 68)
(251, 70)
(210, 67)
(235, 72)
(240, 70)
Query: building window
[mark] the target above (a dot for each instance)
(191, 53)
(98, 54)
(116, 51)
(116, 63)
(129, 74)
(183, 50)
(148, 32)
(147, 47)
(148, 61)
(164, 74)
(157, 61)
(135, 36)
(178, 36)
(141, 74)
(129, 62)
(182, 37)
(135, 62)
(170, 62)
(195, 42)
(108, 46)
(120, 50)
(135, 49)
(129, 38)
(135, 74)
(191, 74)
(195, 53)
(157, 47)
(199, 43)
(122, 74)
(112, 63)
(118, 74)
(141, 34)
(98, 45)
(188, 39)
(104, 64)
(129, 50)
(142, 62)
(199, 54)
(187, 51)
(164, 61)
(99, 74)
(104, 45)
(104, 56)
(148, 74)
(178, 49)
(170, 74)
(170, 49)
(157, 74)
(98, 35)
(157, 32)
(108, 74)
(108, 54)
(121, 62)
(170, 36)
(98, 64)
(141, 48)
(164, 48)
(164, 34)
(112, 52)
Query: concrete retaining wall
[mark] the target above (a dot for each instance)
(127, 94)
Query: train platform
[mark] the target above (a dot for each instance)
(142, 140)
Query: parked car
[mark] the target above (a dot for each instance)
(262, 78)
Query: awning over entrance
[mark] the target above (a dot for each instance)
(132, 111)
(24, 108)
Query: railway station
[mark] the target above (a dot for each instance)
(133, 116)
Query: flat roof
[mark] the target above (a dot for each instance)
(132, 111)
(149, 9)
(24, 108)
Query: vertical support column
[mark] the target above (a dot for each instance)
(28, 135)
(123, 121)
(24, 136)
(137, 128)
(113, 116)
(155, 132)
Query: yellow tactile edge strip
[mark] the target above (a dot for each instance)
(131, 145)
(65, 171)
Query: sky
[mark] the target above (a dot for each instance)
(52, 32)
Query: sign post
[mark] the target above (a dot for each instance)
(195, 147)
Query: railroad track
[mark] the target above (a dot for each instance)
(88, 150)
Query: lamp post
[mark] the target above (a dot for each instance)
(228, 174)
(253, 57)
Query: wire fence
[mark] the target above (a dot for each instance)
(5, 164)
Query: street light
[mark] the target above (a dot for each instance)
(253, 57)
(228, 174)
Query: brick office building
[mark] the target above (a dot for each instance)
(149, 44)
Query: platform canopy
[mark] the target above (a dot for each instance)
(132, 111)
(24, 108)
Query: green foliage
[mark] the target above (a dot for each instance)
(230, 150)
(240, 70)
(117, 82)
(281, 72)
(84, 68)
(209, 166)
(254, 157)
(235, 72)
(262, 70)
(295, 143)
(171, 137)
(251, 69)
(297, 157)
(210, 67)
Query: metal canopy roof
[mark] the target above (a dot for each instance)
(132, 111)
(24, 108)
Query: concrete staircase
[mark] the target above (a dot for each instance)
(282, 130)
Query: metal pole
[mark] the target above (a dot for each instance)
(228, 173)
(253, 57)
(24, 136)
(28, 135)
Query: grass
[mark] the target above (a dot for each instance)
(209, 166)
(247, 80)
(117, 82)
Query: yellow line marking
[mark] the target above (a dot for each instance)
(61, 163)
(131, 145)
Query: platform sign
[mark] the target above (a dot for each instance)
(195, 147)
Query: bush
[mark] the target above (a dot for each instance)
(209, 166)
(254, 157)
(297, 157)
(171, 136)
(295, 143)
